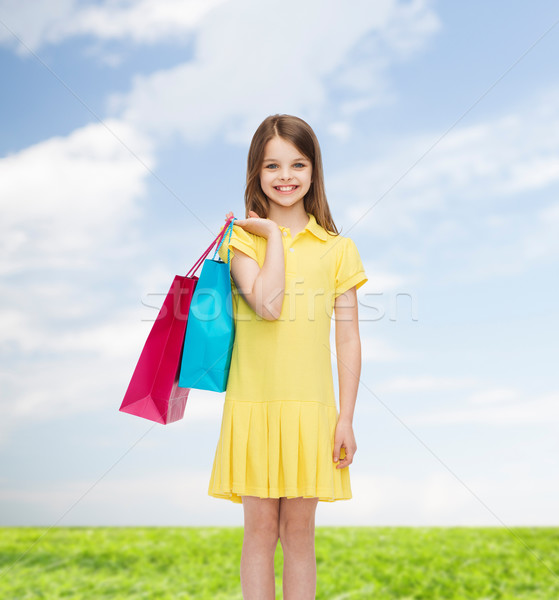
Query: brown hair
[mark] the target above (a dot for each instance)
(296, 132)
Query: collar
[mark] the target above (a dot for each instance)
(313, 227)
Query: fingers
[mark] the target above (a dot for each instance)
(241, 222)
(247, 221)
(337, 448)
(345, 460)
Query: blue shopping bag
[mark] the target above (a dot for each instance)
(210, 330)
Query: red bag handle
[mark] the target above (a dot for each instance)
(209, 249)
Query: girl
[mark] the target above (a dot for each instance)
(283, 446)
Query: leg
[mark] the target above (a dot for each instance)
(259, 546)
(296, 528)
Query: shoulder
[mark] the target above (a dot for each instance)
(238, 233)
(244, 241)
(349, 267)
(339, 245)
(241, 238)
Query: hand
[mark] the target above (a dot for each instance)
(344, 440)
(254, 224)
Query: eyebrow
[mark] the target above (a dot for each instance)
(300, 159)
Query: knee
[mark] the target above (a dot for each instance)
(296, 531)
(264, 530)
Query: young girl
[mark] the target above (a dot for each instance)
(283, 446)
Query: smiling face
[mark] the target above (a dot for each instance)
(286, 175)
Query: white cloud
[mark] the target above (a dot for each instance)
(426, 383)
(340, 130)
(378, 350)
(33, 21)
(387, 295)
(143, 21)
(30, 331)
(495, 395)
(64, 199)
(51, 387)
(179, 497)
(40, 22)
(76, 367)
(247, 65)
(510, 244)
(382, 279)
(205, 406)
(436, 499)
(476, 404)
(497, 407)
(478, 165)
(70, 211)
(541, 241)
(162, 498)
(480, 205)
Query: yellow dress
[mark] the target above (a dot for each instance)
(280, 414)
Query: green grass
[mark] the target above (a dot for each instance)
(380, 563)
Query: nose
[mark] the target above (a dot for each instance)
(285, 174)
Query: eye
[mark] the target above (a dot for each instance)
(299, 165)
(271, 166)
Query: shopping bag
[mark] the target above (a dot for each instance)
(210, 331)
(153, 392)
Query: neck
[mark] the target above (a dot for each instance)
(293, 217)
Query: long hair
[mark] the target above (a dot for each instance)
(296, 132)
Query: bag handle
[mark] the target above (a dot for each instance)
(230, 229)
(218, 239)
(209, 248)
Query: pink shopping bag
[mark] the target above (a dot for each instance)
(153, 392)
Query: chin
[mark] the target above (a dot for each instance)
(287, 204)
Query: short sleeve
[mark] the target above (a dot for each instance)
(349, 268)
(241, 240)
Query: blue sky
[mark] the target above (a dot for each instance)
(125, 128)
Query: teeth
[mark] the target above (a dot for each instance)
(287, 188)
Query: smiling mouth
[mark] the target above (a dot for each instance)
(286, 188)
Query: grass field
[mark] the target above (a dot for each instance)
(381, 563)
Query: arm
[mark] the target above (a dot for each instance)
(348, 351)
(262, 288)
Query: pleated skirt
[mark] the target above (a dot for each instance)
(278, 449)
